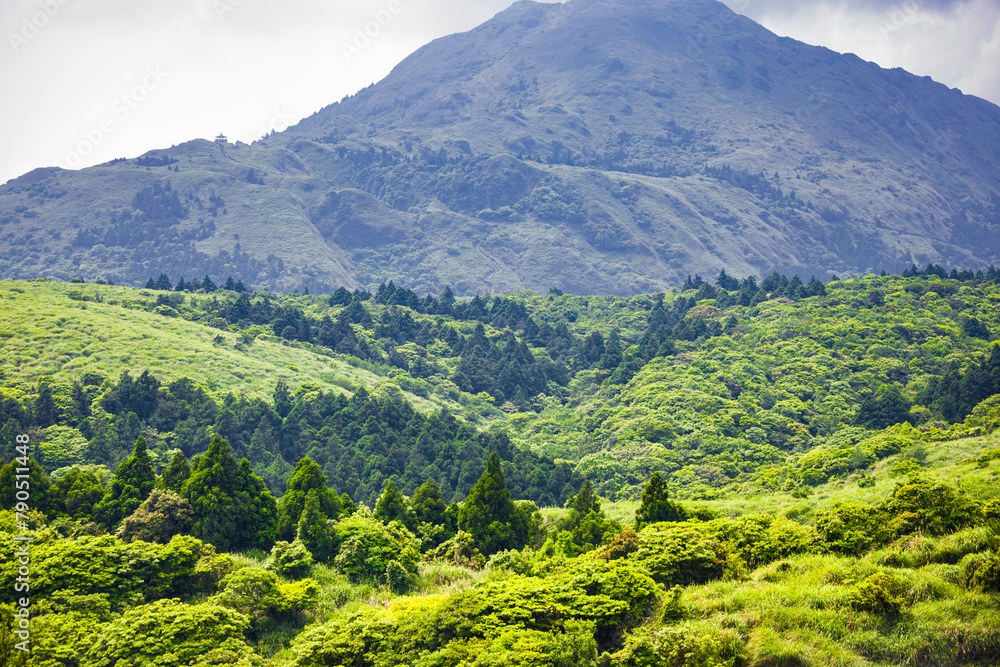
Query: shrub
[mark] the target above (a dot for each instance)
(881, 593)
(167, 633)
(366, 546)
(289, 559)
(689, 644)
(680, 554)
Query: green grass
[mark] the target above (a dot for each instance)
(43, 331)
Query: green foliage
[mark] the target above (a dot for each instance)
(167, 633)
(160, 517)
(762, 539)
(366, 546)
(655, 505)
(986, 576)
(680, 553)
(427, 504)
(392, 506)
(689, 644)
(233, 508)
(307, 477)
(881, 593)
(253, 592)
(176, 473)
(586, 521)
(919, 504)
(489, 515)
(134, 480)
(314, 529)
(38, 485)
(76, 493)
(289, 559)
(459, 549)
(886, 407)
(127, 573)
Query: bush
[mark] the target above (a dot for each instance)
(366, 546)
(289, 559)
(881, 593)
(680, 554)
(252, 591)
(985, 575)
(161, 516)
(167, 633)
(689, 644)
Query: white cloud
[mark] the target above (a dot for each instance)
(953, 42)
(243, 67)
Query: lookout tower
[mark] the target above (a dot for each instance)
(221, 139)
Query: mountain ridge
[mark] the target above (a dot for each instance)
(570, 145)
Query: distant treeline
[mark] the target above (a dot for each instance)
(361, 442)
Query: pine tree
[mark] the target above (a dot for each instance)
(428, 505)
(163, 283)
(176, 473)
(233, 508)
(655, 505)
(208, 285)
(260, 518)
(306, 478)
(313, 529)
(488, 514)
(392, 506)
(134, 480)
(282, 399)
(46, 412)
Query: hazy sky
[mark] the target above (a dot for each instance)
(85, 81)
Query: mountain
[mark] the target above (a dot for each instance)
(593, 146)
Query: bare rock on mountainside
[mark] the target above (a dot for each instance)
(597, 146)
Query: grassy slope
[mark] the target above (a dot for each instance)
(45, 332)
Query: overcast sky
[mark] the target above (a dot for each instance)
(85, 81)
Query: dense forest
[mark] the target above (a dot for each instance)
(223, 476)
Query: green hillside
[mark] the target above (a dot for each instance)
(740, 472)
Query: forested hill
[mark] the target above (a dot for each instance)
(227, 477)
(713, 385)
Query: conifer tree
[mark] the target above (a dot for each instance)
(46, 412)
(428, 505)
(488, 514)
(233, 508)
(134, 480)
(176, 473)
(392, 506)
(313, 528)
(655, 505)
(306, 478)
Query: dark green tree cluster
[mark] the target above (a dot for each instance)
(233, 508)
(956, 393)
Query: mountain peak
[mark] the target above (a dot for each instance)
(594, 146)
